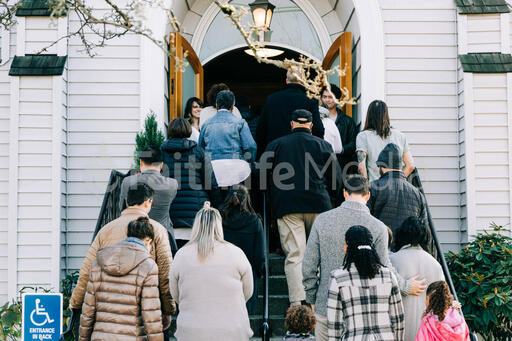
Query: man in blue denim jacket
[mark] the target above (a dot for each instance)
(225, 136)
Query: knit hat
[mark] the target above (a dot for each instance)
(390, 157)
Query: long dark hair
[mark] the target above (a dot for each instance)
(377, 119)
(187, 114)
(413, 231)
(439, 299)
(361, 251)
(238, 200)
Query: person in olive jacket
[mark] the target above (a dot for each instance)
(188, 163)
(347, 128)
(122, 297)
(243, 228)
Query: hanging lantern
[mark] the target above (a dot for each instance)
(262, 12)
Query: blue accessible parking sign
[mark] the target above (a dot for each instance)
(42, 316)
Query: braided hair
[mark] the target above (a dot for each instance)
(439, 299)
(361, 251)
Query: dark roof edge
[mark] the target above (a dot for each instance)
(490, 62)
(482, 6)
(38, 65)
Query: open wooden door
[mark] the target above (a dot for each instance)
(340, 54)
(183, 85)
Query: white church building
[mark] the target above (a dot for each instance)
(66, 120)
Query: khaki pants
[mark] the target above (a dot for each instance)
(321, 332)
(293, 232)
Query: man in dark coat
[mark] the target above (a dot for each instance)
(393, 199)
(165, 188)
(347, 128)
(276, 114)
(304, 173)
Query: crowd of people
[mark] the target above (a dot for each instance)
(353, 230)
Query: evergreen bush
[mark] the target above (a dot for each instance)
(482, 275)
(151, 136)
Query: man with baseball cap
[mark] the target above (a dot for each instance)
(305, 180)
(393, 199)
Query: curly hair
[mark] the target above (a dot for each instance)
(439, 299)
(361, 251)
(300, 319)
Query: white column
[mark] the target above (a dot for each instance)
(509, 106)
(505, 32)
(469, 153)
(56, 181)
(12, 234)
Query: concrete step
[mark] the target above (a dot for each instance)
(276, 323)
(276, 264)
(277, 304)
(276, 285)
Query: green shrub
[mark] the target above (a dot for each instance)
(151, 136)
(10, 315)
(482, 275)
(10, 312)
(10, 320)
(67, 285)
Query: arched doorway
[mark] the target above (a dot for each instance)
(369, 67)
(245, 76)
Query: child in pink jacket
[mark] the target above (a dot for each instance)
(442, 320)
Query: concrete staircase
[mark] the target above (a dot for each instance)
(278, 302)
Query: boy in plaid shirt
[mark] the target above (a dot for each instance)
(364, 301)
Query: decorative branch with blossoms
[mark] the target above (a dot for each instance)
(97, 27)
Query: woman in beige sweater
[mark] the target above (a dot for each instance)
(211, 280)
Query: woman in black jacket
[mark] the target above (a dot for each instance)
(188, 163)
(243, 228)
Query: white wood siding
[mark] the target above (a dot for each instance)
(64, 170)
(421, 91)
(35, 182)
(40, 33)
(4, 177)
(103, 118)
(491, 148)
(462, 151)
(510, 27)
(484, 33)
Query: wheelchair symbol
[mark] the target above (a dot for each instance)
(40, 311)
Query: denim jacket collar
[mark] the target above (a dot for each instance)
(135, 241)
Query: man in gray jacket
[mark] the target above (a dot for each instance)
(164, 188)
(325, 249)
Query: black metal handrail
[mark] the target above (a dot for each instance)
(436, 250)
(110, 209)
(266, 332)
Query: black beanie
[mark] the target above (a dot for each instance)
(390, 157)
